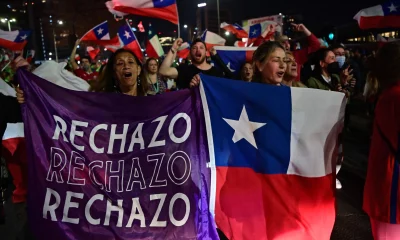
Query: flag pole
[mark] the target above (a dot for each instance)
(179, 24)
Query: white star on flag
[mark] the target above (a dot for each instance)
(127, 35)
(244, 128)
(229, 67)
(24, 37)
(393, 8)
(254, 32)
(100, 31)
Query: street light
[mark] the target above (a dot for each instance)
(227, 33)
(201, 5)
(185, 26)
(4, 20)
(60, 22)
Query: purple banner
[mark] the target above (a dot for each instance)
(110, 166)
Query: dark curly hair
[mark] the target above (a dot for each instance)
(107, 82)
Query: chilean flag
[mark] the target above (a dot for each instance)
(212, 39)
(97, 34)
(113, 44)
(14, 40)
(235, 29)
(235, 57)
(386, 15)
(129, 40)
(93, 52)
(164, 9)
(184, 50)
(271, 164)
(153, 45)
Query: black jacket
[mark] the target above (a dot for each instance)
(10, 112)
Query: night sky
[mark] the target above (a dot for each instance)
(316, 13)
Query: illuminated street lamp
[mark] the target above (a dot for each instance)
(8, 21)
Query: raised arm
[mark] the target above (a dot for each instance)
(72, 57)
(166, 70)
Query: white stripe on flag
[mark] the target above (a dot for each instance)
(155, 42)
(370, 12)
(134, 4)
(14, 130)
(10, 36)
(211, 165)
(317, 119)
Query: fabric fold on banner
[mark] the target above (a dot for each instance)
(111, 166)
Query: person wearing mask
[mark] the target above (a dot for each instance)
(289, 79)
(154, 80)
(328, 76)
(185, 73)
(246, 72)
(301, 55)
(83, 71)
(381, 190)
(345, 62)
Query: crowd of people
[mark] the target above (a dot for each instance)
(351, 72)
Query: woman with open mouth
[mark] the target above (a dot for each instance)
(269, 63)
(291, 74)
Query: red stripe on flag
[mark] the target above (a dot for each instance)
(151, 52)
(14, 152)
(280, 207)
(168, 13)
(379, 22)
(90, 36)
(13, 46)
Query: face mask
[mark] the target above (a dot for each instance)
(333, 68)
(341, 60)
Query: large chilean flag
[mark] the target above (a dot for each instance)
(271, 163)
(164, 9)
(386, 15)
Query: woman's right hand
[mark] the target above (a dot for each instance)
(20, 96)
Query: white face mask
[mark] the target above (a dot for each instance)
(341, 60)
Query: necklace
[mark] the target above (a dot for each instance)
(155, 85)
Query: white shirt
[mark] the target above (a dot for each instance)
(328, 80)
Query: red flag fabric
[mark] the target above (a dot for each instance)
(165, 9)
(140, 27)
(386, 15)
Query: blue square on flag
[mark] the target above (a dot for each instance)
(101, 30)
(22, 36)
(391, 8)
(255, 31)
(246, 131)
(163, 3)
(126, 35)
